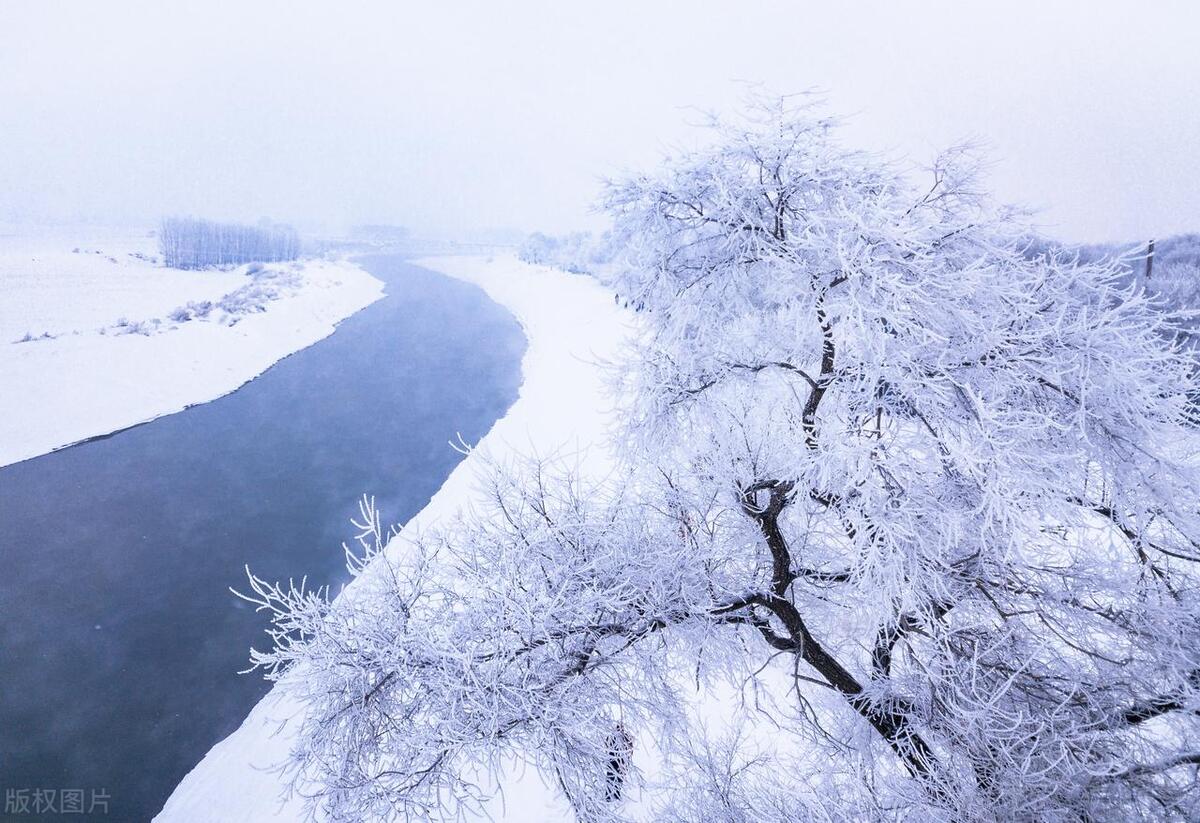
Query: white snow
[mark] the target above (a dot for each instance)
(95, 337)
(572, 326)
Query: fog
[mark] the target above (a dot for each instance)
(457, 118)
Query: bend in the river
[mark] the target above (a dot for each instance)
(120, 641)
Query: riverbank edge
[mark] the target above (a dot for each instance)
(333, 291)
(572, 327)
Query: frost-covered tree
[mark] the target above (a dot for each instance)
(914, 509)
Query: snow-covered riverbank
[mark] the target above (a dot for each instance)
(96, 337)
(572, 326)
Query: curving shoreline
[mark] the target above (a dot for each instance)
(571, 325)
(75, 387)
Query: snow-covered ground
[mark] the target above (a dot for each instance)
(95, 336)
(572, 327)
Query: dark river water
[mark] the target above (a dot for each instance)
(120, 642)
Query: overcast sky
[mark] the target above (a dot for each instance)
(456, 116)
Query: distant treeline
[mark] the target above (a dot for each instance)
(578, 253)
(188, 243)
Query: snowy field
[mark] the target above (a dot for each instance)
(573, 327)
(96, 336)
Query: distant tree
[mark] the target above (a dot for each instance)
(537, 248)
(928, 501)
(188, 243)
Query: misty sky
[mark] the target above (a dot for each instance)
(454, 117)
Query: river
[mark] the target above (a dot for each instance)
(120, 642)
